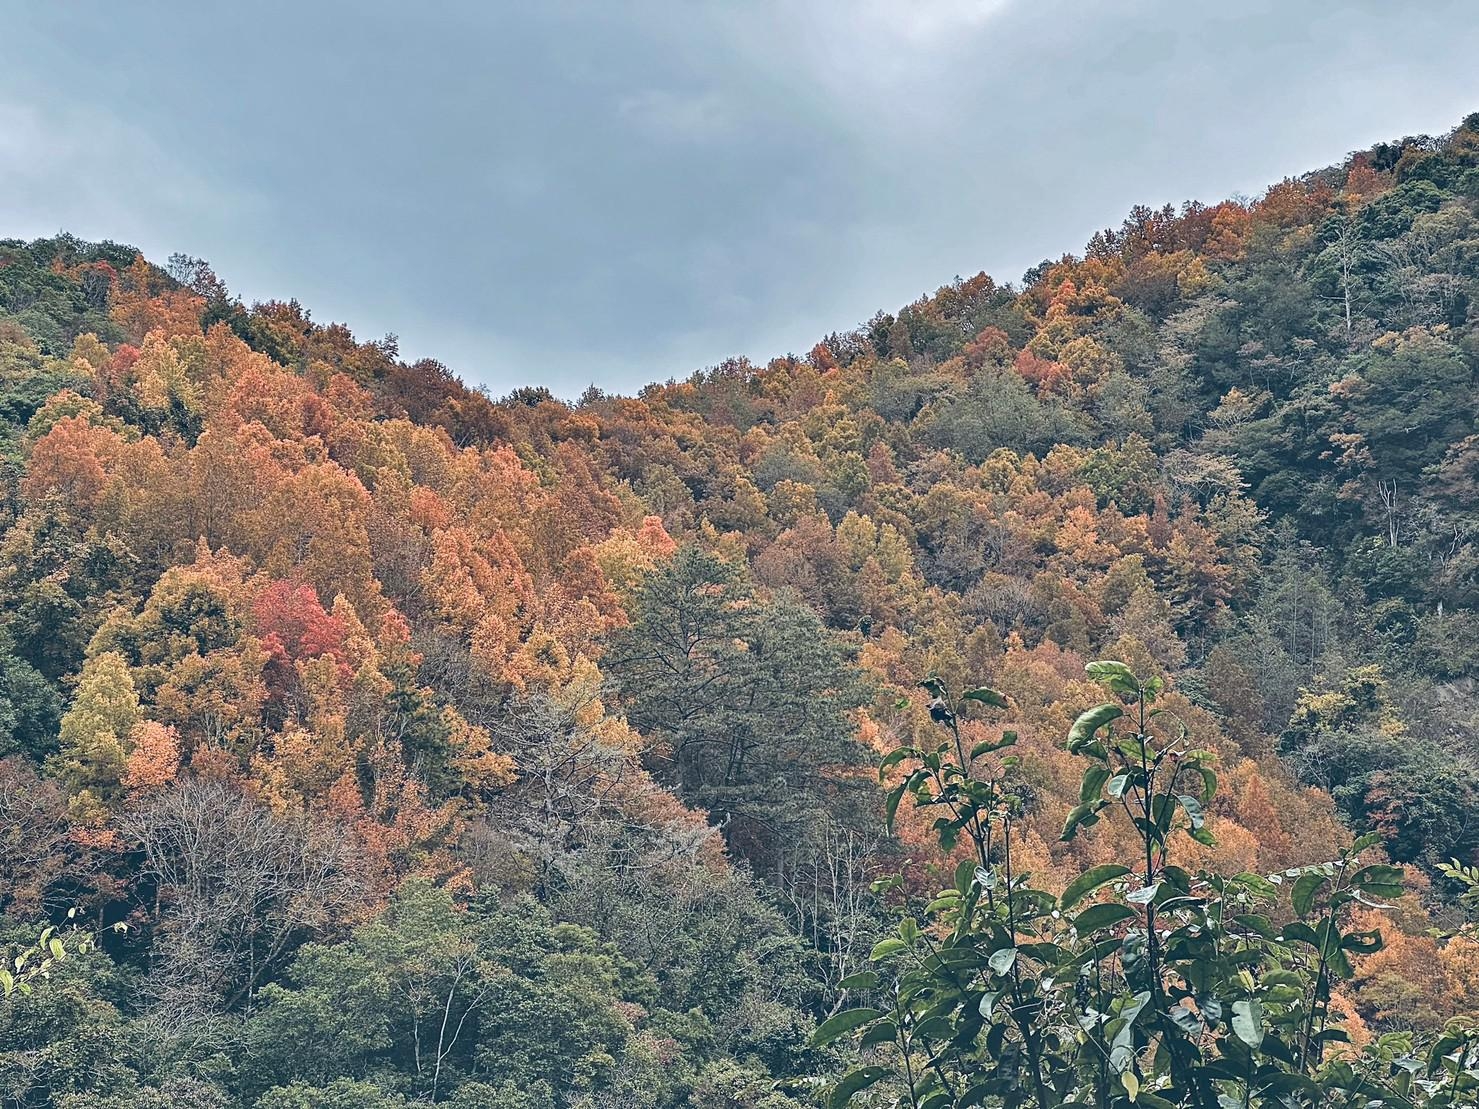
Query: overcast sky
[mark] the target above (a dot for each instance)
(609, 192)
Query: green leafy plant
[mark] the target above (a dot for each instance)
(1466, 878)
(27, 964)
(1143, 984)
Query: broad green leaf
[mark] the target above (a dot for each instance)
(1247, 1021)
(1256, 884)
(1185, 1019)
(1131, 1083)
(1086, 815)
(844, 1022)
(1301, 932)
(1092, 786)
(884, 1032)
(891, 804)
(1143, 896)
(1163, 810)
(1363, 943)
(934, 1028)
(1089, 881)
(965, 870)
(986, 746)
(986, 697)
(1290, 1082)
(1134, 1007)
(1209, 784)
(853, 1083)
(1097, 917)
(1258, 924)
(1002, 961)
(1380, 880)
(893, 758)
(1193, 809)
(1116, 675)
(891, 945)
(1306, 887)
(1085, 727)
(1339, 961)
(934, 687)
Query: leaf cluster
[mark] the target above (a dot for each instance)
(1146, 985)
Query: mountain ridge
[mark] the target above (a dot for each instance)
(596, 690)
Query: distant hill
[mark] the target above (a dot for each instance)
(318, 667)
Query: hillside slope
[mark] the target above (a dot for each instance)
(365, 698)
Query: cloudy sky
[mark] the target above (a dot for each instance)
(609, 192)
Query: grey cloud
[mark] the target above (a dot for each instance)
(621, 192)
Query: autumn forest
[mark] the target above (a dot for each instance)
(799, 734)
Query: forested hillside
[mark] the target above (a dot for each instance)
(431, 747)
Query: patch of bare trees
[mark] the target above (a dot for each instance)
(237, 888)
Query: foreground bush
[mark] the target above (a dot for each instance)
(1146, 985)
